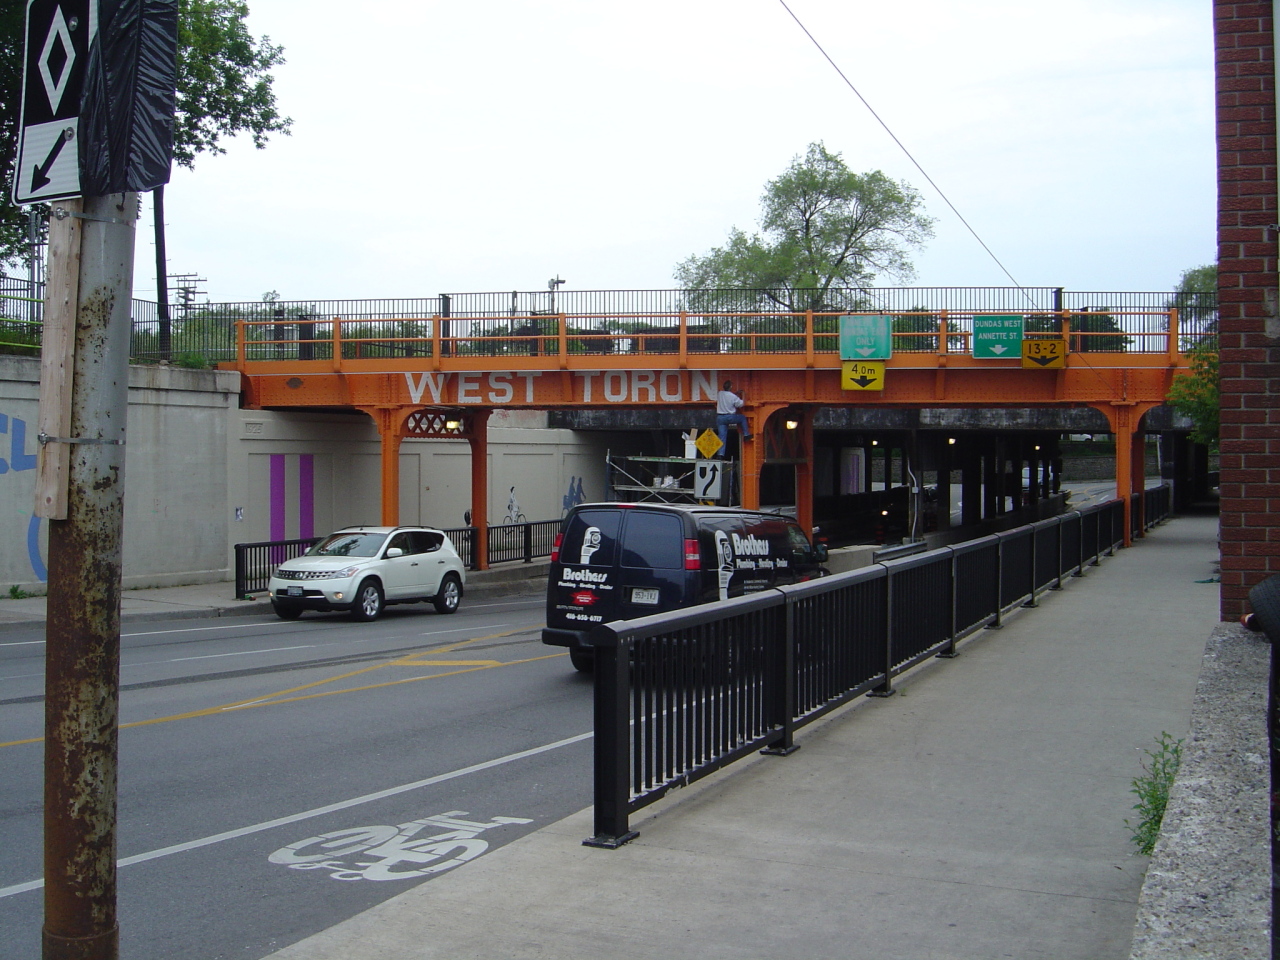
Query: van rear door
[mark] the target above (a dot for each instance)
(583, 589)
(651, 564)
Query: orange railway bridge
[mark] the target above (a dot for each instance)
(441, 377)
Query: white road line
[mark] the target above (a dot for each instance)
(238, 653)
(317, 812)
(21, 643)
(230, 626)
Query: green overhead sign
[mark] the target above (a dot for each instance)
(997, 337)
(866, 338)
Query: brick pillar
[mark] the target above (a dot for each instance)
(1249, 329)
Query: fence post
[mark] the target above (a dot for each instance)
(1032, 572)
(612, 740)
(998, 622)
(528, 542)
(781, 686)
(949, 652)
(241, 572)
(886, 689)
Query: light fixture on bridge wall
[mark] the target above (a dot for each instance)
(453, 424)
(951, 441)
(793, 424)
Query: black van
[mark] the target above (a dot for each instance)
(618, 561)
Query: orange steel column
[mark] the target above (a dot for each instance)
(479, 441)
(804, 474)
(753, 452)
(1125, 418)
(390, 422)
(1138, 474)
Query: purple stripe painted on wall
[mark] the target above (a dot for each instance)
(277, 497)
(306, 495)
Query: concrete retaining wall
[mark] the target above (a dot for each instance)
(175, 476)
(1207, 893)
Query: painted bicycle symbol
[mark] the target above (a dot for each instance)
(392, 853)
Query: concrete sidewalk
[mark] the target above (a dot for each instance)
(218, 599)
(978, 814)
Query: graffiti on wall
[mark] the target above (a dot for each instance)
(18, 460)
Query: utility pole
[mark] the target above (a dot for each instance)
(102, 132)
(162, 270)
(82, 633)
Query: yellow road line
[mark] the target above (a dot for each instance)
(281, 696)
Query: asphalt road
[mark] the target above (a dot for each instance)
(276, 778)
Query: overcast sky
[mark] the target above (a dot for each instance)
(451, 147)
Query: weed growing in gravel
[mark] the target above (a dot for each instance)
(1152, 788)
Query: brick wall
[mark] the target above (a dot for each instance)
(1250, 332)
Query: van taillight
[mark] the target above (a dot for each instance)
(692, 556)
(555, 547)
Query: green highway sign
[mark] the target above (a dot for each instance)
(997, 337)
(866, 338)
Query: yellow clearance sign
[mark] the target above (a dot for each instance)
(861, 375)
(1044, 354)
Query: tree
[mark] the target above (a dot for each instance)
(1196, 300)
(13, 219)
(1195, 395)
(826, 234)
(224, 88)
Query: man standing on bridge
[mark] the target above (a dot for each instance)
(728, 405)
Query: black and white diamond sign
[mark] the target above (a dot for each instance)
(58, 34)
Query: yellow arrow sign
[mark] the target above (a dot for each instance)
(708, 443)
(1044, 354)
(861, 375)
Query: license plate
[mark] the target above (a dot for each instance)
(644, 595)
(295, 591)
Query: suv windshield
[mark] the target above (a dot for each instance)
(349, 545)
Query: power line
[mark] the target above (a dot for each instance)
(903, 148)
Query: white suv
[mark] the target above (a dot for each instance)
(361, 569)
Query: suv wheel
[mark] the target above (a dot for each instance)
(584, 661)
(286, 611)
(368, 603)
(450, 595)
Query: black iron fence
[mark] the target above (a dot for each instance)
(255, 562)
(507, 542)
(680, 695)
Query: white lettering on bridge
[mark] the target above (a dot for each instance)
(501, 388)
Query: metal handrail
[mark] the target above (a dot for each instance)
(679, 695)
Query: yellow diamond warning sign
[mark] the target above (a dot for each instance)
(861, 375)
(708, 443)
(1044, 354)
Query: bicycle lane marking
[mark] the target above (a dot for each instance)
(318, 811)
(415, 659)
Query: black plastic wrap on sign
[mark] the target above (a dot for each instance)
(126, 112)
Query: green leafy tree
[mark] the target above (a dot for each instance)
(1196, 299)
(224, 88)
(224, 83)
(1087, 331)
(13, 219)
(826, 234)
(1195, 395)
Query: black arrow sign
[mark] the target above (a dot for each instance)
(865, 382)
(710, 475)
(1043, 361)
(40, 175)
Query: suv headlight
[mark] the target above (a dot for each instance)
(342, 574)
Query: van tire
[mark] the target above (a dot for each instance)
(584, 661)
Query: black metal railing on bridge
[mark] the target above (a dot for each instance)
(508, 542)
(682, 694)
